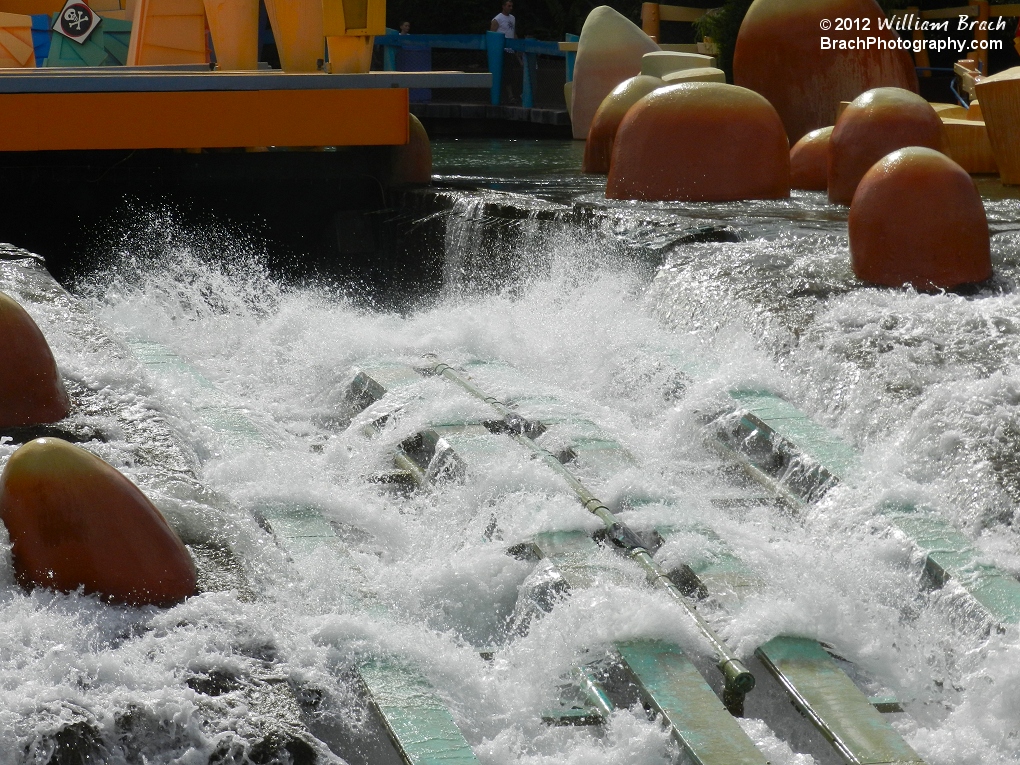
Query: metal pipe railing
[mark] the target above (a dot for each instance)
(493, 43)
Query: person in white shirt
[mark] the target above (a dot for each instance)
(504, 21)
(513, 66)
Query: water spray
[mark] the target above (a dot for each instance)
(738, 679)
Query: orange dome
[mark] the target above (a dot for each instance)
(780, 54)
(874, 124)
(31, 391)
(700, 141)
(74, 522)
(917, 218)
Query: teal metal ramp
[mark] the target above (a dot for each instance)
(786, 449)
(823, 693)
(674, 689)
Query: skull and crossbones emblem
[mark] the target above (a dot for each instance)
(73, 17)
(76, 21)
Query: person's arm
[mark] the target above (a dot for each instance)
(493, 27)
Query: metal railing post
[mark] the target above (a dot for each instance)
(528, 92)
(650, 20)
(494, 44)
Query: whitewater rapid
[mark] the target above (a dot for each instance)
(926, 386)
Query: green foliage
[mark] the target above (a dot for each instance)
(543, 19)
(722, 25)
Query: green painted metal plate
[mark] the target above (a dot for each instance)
(391, 375)
(370, 384)
(673, 687)
(159, 357)
(583, 701)
(827, 697)
(950, 555)
(419, 724)
(838, 457)
(597, 455)
(297, 522)
(229, 422)
(722, 573)
(573, 554)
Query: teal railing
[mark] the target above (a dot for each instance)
(493, 43)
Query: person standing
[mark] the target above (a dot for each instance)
(513, 66)
(505, 22)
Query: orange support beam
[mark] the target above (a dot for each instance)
(650, 22)
(206, 119)
(28, 7)
(168, 32)
(298, 31)
(234, 26)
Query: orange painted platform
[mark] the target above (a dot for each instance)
(202, 119)
(186, 107)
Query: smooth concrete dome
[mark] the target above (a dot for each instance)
(74, 521)
(874, 124)
(809, 161)
(598, 150)
(700, 141)
(411, 164)
(31, 391)
(779, 54)
(609, 51)
(917, 218)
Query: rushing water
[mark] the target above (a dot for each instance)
(546, 278)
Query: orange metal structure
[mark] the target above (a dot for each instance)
(298, 31)
(349, 26)
(652, 14)
(168, 32)
(16, 49)
(234, 25)
(28, 7)
(208, 119)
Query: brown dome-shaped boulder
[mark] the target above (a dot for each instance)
(917, 218)
(700, 141)
(74, 521)
(874, 124)
(411, 164)
(780, 54)
(809, 161)
(31, 392)
(599, 148)
(609, 51)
